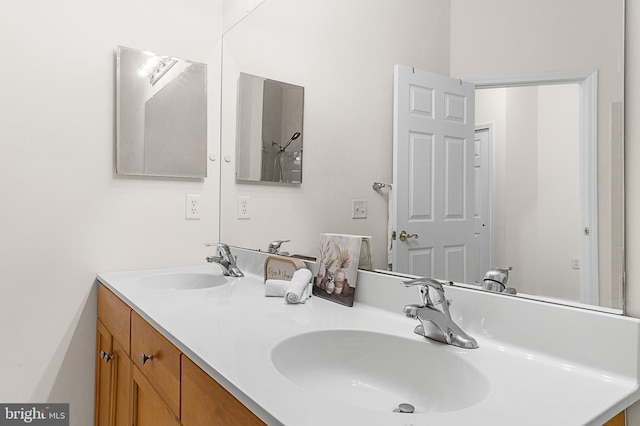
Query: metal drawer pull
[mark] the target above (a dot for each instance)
(144, 358)
(105, 356)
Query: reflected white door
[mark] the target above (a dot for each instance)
(433, 175)
(482, 201)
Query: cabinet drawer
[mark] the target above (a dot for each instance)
(158, 360)
(115, 315)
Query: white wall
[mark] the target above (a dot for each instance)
(535, 196)
(346, 68)
(559, 233)
(632, 173)
(65, 215)
(543, 36)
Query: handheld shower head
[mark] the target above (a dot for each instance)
(295, 136)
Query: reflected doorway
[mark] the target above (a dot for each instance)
(535, 186)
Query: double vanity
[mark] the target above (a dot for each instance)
(320, 363)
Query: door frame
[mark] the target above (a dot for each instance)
(587, 81)
(489, 219)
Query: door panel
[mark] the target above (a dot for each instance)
(433, 175)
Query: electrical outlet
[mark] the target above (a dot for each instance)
(575, 263)
(244, 211)
(359, 209)
(192, 207)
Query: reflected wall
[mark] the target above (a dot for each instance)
(347, 73)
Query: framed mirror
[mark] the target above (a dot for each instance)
(161, 115)
(347, 73)
(269, 130)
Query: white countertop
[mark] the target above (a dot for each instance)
(546, 364)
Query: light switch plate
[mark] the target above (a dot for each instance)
(359, 209)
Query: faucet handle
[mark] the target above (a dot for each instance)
(425, 283)
(431, 282)
(274, 246)
(221, 248)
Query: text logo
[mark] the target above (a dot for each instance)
(34, 414)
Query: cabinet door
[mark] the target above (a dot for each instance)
(121, 386)
(115, 315)
(104, 375)
(148, 408)
(113, 380)
(206, 403)
(157, 359)
(618, 420)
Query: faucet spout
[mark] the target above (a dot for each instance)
(436, 324)
(225, 259)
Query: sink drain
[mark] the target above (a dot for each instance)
(405, 408)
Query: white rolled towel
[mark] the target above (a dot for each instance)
(276, 288)
(298, 290)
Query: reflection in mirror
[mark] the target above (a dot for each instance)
(348, 78)
(269, 130)
(540, 204)
(161, 115)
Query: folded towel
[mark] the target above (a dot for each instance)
(298, 290)
(276, 288)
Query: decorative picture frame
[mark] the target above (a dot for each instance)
(337, 268)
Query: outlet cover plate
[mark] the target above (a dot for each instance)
(192, 207)
(244, 210)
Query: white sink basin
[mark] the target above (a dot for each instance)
(183, 281)
(380, 371)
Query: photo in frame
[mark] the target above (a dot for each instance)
(337, 268)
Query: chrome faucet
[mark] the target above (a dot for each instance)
(274, 247)
(495, 280)
(225, 259)
(436, 323)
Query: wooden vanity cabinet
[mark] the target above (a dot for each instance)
(618, 420)
(142, 379)
(205, 402)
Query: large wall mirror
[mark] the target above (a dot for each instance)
(344, 56)
(161, 115)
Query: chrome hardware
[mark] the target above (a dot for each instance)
(274, 247)
(106, 357)
(379, 185)
(404, 235)
(436, 323)
(144, 358)
(225, 259)
(495, 280)
(405, 408)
